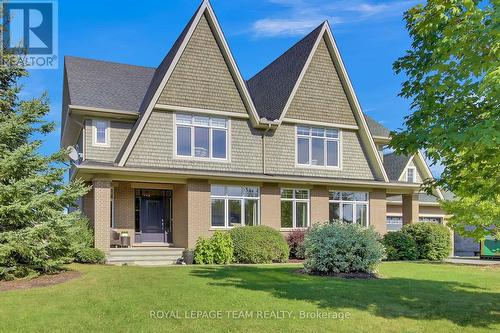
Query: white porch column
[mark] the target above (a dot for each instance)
(102, 213)
(410, 208)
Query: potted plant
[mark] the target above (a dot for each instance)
(188, 256)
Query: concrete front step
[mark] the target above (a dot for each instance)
(144, 256)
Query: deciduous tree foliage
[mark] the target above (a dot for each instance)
(36, 235)
(452, 74)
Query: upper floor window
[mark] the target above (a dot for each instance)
(201, 136)
(294, 208)
(234, 205)
(101, 132)
(349, 207)
(318, 146)
(410, 175)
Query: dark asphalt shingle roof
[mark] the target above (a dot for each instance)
(394, 165)
(104, 84)
(376, 128)
(271, 87)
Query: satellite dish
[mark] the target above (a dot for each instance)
(73, 154)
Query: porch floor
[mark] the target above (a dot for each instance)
(144, 256)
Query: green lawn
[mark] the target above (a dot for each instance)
(412, 297)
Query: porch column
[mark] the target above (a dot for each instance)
(410, 208)
(319, 205)
(102, 213)
(378, 210)
(270, 206)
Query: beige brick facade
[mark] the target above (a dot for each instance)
(378, 207)
(270, 205)
(102, 214)
(410, 208)
(319, 204)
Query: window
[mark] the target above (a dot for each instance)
(201, 136)
(394, 223)
(101, 132)
(234, 205)
(431, 219)
(350, 207)
(410, 175)
(318, 146)
(294, 208)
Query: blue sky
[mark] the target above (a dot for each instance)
(370, 35)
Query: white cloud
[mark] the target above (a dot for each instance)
(298, 17)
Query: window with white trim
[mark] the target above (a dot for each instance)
(234, 205)
(350, 207)
(201, 136)
(294, 208)
(394, 223)
(410, 175)
(318, 146)
(431, 219)
(101, 132)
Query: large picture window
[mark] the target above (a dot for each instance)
(201, 137)
(294, 208)
(350, 207)
(318, 146)
(234, 205)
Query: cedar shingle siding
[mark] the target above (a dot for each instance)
(118, 133)
(280, 155)
(155, 147)
(202, 78)
(320, 96)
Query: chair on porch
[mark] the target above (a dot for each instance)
(115, 238)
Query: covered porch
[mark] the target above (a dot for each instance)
(151, 214)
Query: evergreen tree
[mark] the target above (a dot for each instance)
(36, 234)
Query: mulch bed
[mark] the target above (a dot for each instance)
(40, 281)
(359, 275)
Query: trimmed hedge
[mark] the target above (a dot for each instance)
(258, 245)
(342, 248)
(433, 240)
(217, 249)
(295, 240)
(400, 246)
(90, 255)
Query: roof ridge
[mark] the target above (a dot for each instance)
(106, 61)
(287, 50)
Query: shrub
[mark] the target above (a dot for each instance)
(90, 255)
(258, 244)
(433, 240)
(342, 248)
(400, 246)
(295, 240)
(215, 250)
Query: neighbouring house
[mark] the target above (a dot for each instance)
(179, 151)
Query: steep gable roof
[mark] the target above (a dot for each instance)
(376, 128)
(104, 84)
(395, 164)
(166, 68)
(272, 86)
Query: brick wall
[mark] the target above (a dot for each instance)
(198, 211)
(410, 208)
(180, 215)
(270, 206)
(125, 208)
(378, 207)
(102, 214)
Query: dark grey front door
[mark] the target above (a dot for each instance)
(153, 215)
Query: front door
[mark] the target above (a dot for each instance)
(154, 216)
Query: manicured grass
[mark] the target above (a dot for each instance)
(412, 297)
